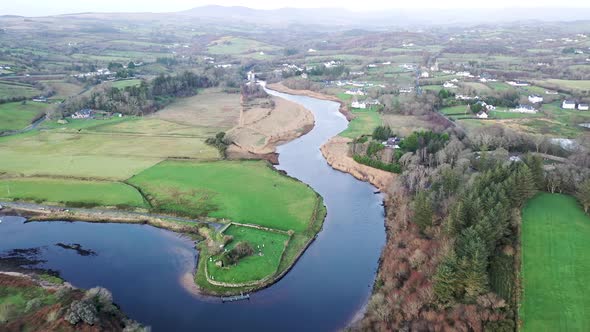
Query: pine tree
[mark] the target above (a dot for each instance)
(446, 280)
(536, 166)
(474, 275)
(423, 211)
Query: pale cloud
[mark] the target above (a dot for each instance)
(40, 7)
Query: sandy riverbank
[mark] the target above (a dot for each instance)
(261, 130)
(336, 149)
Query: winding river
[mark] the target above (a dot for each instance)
(142, 265)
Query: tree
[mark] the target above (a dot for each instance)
(446, 280)
(583, 194)
(423, 211)
(535, 164)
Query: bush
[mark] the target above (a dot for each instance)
(241, 250)
(81, 311)
(382, 133)
(394, 168)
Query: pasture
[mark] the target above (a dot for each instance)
(583, 85)
(236, 45)
(365, 121)
(14, 89)
(15, 116)
(555, 267)
(242, 191)
(126, 83)
(268, 250)
(69, 190)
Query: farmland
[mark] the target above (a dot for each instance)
(263, 194)
(12, 89)
(363, 124)
(555, 234)
(67, 191)
(15, 116)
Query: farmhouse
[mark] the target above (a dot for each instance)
(582, 107)
(406, 90)
(392, 142)
(568, 105)
(517, 83)
(41, 99)
(357, 92)
(425, 74)
(464, 74)
(524, 109)
(535, 99)
(482, 115)
(83, 114)
(357, 104)
(550, 92)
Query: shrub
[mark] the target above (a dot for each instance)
(382, 133)
(394, 168)
(81, 311)
(241, 250)
(33, 305)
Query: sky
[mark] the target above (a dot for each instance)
(45, 7)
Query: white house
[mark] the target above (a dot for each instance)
(406, 90)
(449, 85)
(424, 74)
(311, 50)
(568, 105)
(354, 92)
(517, 83)
(251, 76)
(582, 107)
(482, 115)
(535, 99)
(524, 109)
(464, 74)
(551, 92)
(357, 104)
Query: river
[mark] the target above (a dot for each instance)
(142, 265)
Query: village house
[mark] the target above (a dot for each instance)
(524, 109)
(358, 104)
(303, 75)
(41, 99)
(463, 97)
(392, 142)
(535, 99)
(486, 105)
(331, 64)
(357, 92)
(449, 85)
(406, 90)
(517, 83)
(424, 74)
(482, 115)
(83, 114)
(251, 76)
(582, 107)
(311, 50)
(568, 105)
(550, 92)
(464, 74)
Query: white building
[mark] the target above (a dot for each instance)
(311, 50)
(355, 92)
(551, 92)
(535, 99)
(358, 104)
(524, 109)
(464, 74)
(449, 85)
(482, 115)
(568, 105)
(517, 83)
(582, 107)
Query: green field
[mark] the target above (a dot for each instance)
(125, 83)
(15, 116)
(237, 45)
(568, 84)
(555, 266)
(498, 114)
(268, 247)
(365, 121)
(461, 109)
(13, 89)
(68, 190)
(242, 191)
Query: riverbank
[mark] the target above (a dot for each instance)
(335, 151)
(47, 303)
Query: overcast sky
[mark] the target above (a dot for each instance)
(48, 7)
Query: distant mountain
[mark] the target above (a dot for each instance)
(390, 17)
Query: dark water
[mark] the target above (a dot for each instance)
(141, 265)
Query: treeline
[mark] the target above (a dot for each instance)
(145, 98)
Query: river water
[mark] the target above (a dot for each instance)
(142, 265)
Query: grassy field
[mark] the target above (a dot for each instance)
(125, 83)
(568, 84)
(263, 196)
(13, 89)
(68, 190)
(237, 45)
(555, 267)
(498, 114)
(101, 149)
(365, 121)
(15, 116)
(461, 109)
(268, 248)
